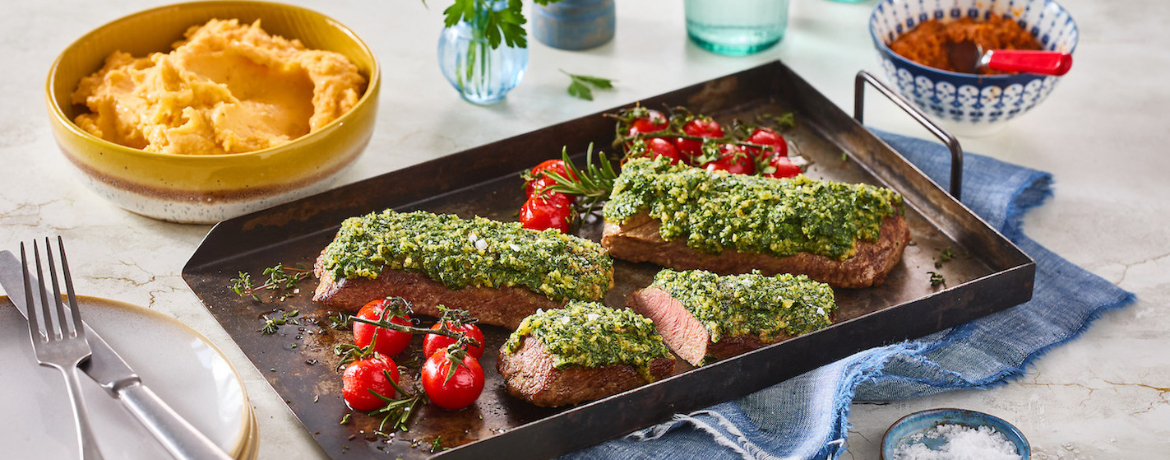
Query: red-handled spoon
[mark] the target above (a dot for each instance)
(966, 56)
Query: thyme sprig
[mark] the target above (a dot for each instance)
(282, 280)
(272, 324)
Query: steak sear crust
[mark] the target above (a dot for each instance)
(502, 307)
(638, 240)
(530, 375)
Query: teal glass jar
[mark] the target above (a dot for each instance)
(736, 27)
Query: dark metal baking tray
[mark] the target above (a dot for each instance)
(990, 274)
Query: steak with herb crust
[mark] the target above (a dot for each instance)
(497, 271)
(703, 316)
(499, 306)
(638, 240)
(847, 235)
(580, 353)
(532, 376)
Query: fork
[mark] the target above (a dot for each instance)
(62, 346)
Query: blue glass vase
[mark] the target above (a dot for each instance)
(482, 75)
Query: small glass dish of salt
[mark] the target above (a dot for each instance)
(953, 434)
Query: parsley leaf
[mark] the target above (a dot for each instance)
(579, 85)
(503, 25)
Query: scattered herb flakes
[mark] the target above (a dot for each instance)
(936, 279)
(946, 255)
(345, 419)
(579, 85)
(316, 398)
(437, 444)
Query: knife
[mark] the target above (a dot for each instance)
(108, 369)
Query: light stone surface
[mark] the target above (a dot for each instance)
(1103, 134)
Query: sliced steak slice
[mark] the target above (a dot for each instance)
(639, 241)
(701, 315)
(502, 307)
(683, 333)
(530, 375)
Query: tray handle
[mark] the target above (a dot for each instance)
(864, 77)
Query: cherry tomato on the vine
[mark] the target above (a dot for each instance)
(734, 159)
(433, 343)
(701, 127)
(660, 147)
(461, 389)
(539, 185)
(366, 375)
(547, 210)
(557, 166)
(784, 168)
(769, 137)
(653, 121)
(389, 342)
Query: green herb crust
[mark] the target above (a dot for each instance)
(751, 304)
(463, 253)
(751, 214)
(589, 334)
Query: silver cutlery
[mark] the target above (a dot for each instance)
(59, 343)
(108, 369)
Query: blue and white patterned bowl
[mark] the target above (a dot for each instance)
(970, 104)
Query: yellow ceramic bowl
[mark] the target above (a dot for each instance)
(209, 188)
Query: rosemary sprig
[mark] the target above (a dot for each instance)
(397, 411)
(592, 185)
(271, 325)
(281, 280)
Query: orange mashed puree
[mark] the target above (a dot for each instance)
(926, 44)
(224, 88)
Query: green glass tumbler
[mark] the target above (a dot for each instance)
(736, 27)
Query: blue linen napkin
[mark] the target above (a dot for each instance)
(807, 417)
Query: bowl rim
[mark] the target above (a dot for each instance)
(980, 79)
(371, 91)
(1010, 431)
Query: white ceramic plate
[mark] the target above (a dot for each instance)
(182, 367)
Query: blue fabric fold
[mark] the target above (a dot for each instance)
(807, 417)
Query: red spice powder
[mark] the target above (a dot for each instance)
(926, 44)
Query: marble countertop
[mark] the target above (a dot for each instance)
(1102, 133)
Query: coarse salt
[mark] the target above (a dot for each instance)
(961, 443)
